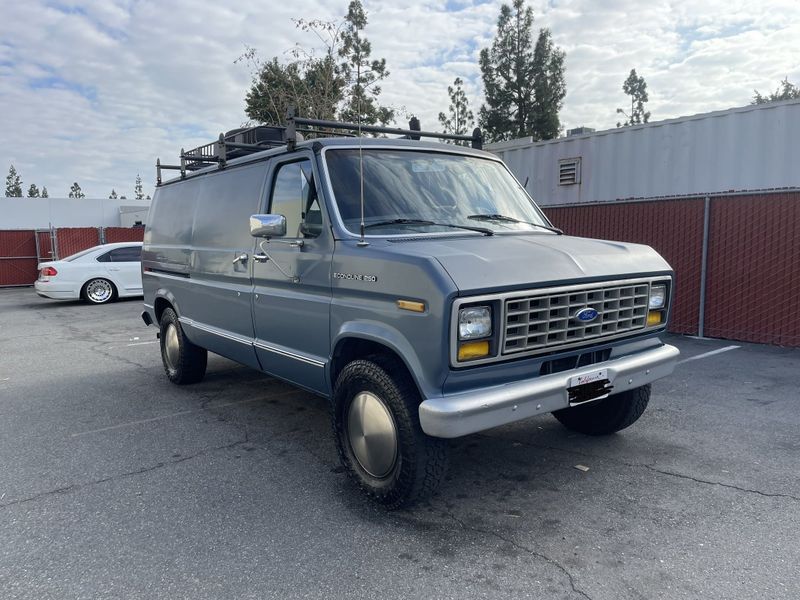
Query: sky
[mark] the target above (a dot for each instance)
(94, 91)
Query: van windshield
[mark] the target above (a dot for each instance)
(409, 191)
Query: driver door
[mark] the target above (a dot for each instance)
(292, 289)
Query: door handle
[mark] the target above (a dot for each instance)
(262, 258)
(242, 258)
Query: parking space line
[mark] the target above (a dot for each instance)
(707, 354)
(134, 344)
(178, 414)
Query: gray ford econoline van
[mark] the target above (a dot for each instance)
(415, 284)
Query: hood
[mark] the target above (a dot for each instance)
(507, 262)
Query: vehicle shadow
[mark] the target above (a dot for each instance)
(39, 303)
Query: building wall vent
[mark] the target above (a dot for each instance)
(569, 171)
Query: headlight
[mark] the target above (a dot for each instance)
(658, 297)
(474, 323)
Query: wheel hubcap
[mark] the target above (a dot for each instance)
(99, 290)
(171, 346)
(372, 434)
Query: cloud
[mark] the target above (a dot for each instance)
(93, 91)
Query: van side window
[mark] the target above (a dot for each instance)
(294, 195)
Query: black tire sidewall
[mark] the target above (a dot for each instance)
(354, 379)
(607, 416)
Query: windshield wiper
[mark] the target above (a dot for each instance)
(482, 230)
(495, 217)
(399, 222)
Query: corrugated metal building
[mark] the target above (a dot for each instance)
(740, 149)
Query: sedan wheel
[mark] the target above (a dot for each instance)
(98, 291)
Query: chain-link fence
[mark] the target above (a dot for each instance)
(736, 258)
(18, 257)
(123, 234)
(22, 250)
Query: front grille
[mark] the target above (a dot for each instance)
(544, 321)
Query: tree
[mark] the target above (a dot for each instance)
(33, 191)
(75, 191)
(524, 85)
(341, 83)
(312, 85)
(13, 183)
(786, 91)
(636, 88)
(44, 192)
(361, 74)
(549, 87)
(137, 188)
(459, 120)
(275, 88)
(113, 194)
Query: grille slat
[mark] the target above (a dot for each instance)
(542, 321)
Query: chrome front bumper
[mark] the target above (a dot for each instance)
(463, 413)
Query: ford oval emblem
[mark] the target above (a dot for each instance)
(586, 315)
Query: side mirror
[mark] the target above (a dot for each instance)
(267, 226)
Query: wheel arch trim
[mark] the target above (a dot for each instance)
(385, 336)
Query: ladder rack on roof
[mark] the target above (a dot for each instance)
(241, 142)
(235, 143)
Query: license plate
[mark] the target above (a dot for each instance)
(592, 377)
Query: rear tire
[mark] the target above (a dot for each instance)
(98, 291)
(606, 416)
(184, 362)
(380, 441)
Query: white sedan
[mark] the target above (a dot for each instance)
(98, 275)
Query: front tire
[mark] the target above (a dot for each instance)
(184, 362)
(608, 415)
(98, 291)
(378, 435)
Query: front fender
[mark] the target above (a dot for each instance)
(391, 338)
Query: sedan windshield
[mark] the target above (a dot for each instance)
(411, 191)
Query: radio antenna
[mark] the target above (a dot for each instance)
(362, 242)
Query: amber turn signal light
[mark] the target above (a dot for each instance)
(470, 350)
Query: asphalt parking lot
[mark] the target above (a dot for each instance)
(115, 483)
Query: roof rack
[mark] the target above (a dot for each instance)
(230, 145)
(413, 132)
(241, 142)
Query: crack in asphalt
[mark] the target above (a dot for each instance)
(99, 348)
(725, 485)
(539, 555)
(654, 469)
(155, 467)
